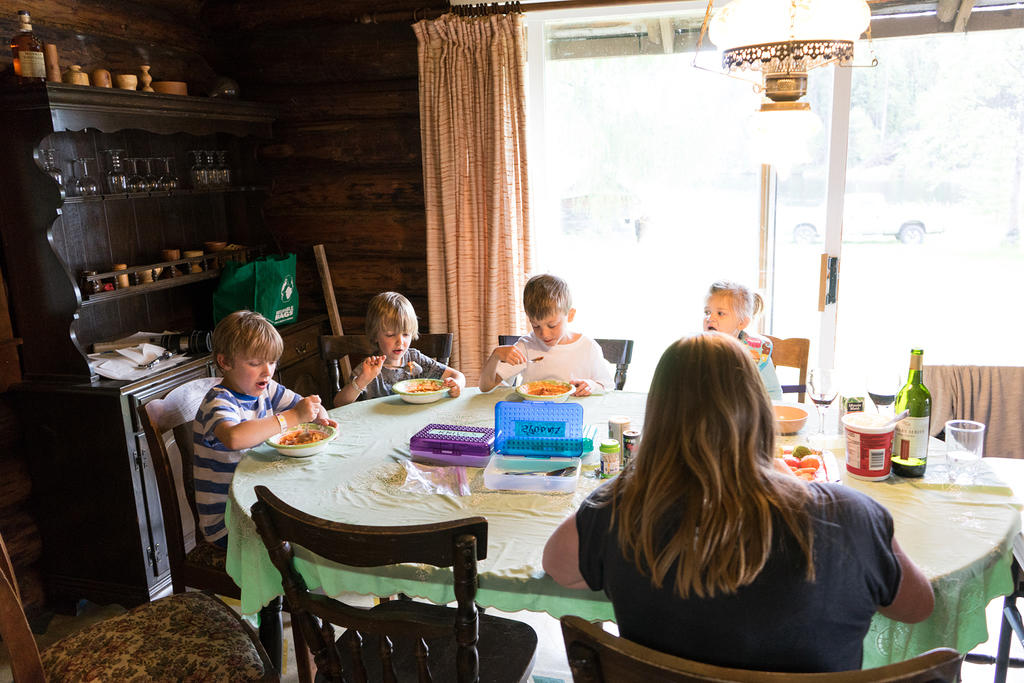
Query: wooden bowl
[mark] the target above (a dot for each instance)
(170, 87)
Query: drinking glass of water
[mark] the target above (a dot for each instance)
(965, 441)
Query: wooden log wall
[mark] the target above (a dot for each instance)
(118, 35)
(345, 161)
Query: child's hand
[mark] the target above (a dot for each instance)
(371, 368)
(309, 408)
(509, 354)
(327, 422)
(582, 387)
(453, 387)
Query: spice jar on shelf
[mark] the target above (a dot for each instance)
(90, 286)
(122, 280)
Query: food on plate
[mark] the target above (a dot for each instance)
(423, 386)
(546, 387)
(299, 437)
(805, 463)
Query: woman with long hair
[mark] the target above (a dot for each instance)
(709, 552)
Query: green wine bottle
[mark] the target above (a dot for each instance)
(910, 444)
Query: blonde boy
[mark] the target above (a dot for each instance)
(552, 351)
(242, 411)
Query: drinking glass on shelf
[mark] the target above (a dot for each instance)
(85, 185)
(223, 171)
(50, 166)
(882, 386)
(117, 179)
(965, 442)
(199, 173)
(147, 182)
(134, 181)
(822, 387)
(167, 180)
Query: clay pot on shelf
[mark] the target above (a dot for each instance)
(101, 78)
(75, 76)
(126, 81)
(171, 87)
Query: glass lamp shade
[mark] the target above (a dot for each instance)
(780, 135)
(787, 35)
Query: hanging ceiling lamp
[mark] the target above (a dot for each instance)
(784, 39)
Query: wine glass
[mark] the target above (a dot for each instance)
(882, 386)
(85, 185)
(822, 388)
(167, 180)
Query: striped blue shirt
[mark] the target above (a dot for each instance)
(213, 464)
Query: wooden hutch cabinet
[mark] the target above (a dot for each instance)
(94, 492)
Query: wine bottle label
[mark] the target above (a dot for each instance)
(32, 65)
(911, 439)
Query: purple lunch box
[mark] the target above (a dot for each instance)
(452, 445)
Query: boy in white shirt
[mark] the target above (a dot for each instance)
(552, 351)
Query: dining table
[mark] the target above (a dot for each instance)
(960, 535)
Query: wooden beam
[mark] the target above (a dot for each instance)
(962, 15)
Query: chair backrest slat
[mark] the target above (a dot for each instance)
(175, 412)
(596, 656)
(618, 352)
(792, 353)
(358, 346)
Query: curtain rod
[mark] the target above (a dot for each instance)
(434, 12)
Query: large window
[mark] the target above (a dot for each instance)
(644, 191)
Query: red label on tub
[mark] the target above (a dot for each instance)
(868, 455)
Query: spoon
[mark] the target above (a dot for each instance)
(899, 417)
(414, 368)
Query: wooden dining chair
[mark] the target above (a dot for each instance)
(358, 346)
(618, 352)
(411, 640)
(792, 353)
(202, 566)
(596, 656)
(188, 636)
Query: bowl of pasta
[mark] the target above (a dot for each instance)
(420, 390)
(545, 390)
(306, 439)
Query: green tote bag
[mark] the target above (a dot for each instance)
(266, 285)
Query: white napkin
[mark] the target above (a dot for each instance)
(143, 354)
(124, 364)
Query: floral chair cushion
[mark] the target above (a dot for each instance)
(207, 555)
(186, 637)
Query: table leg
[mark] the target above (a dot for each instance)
(270, 631)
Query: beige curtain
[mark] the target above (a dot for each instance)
(986, 393)
(473, 130)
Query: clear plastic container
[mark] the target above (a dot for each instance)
(519, 473)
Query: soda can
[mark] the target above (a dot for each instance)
(630, 442)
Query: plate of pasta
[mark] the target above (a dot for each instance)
(545, 390)
(420, 390)
(308, 438)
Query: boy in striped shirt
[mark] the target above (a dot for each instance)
(243, 410)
